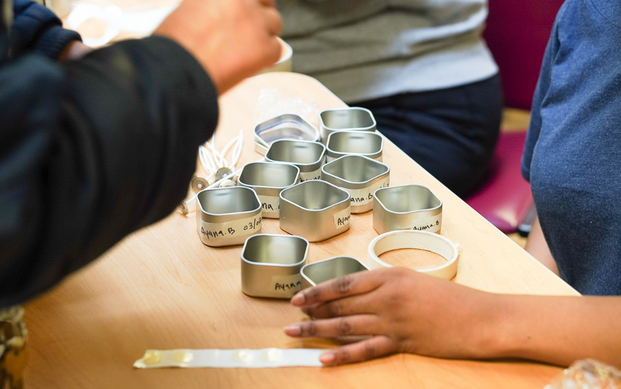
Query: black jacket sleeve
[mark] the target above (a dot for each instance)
(91, 151)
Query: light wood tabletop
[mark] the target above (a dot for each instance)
(161, 288)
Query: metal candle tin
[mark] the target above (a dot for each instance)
(316, 210)
(317, 272)
(227, 216)
(288, 126)
(368, 144)
(406, 207)
(358, 175)
(271, 265)
(343, 119)
(306, 155)
(267, 179)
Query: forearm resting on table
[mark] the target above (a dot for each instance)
(409, 312)
(558, 330)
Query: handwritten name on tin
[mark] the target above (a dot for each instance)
(234, 229)
(288, 286)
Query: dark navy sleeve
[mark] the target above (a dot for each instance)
(92, 150)
(36, 29)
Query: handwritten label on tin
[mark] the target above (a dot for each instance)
(365, 196)
(315, 175)
(286, 285)
(431, 223)
(241, 227)
(271, 205)
(341, 219)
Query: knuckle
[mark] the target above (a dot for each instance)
(334, 309)
(344, 327)
(343, 356)
(311, 329)
(342, 285)
(311, 294)
(369, 351)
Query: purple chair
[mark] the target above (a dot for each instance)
(517, 33)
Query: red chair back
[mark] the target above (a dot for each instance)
(517, 33)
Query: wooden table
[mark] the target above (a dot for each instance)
(161, 288)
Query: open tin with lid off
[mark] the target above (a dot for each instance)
(227, 216)
(307, 156)
(271, 265)
(367, 144)
(268, 179)
(345, 119)
(358, 175)
(316, 210)
(287, 126)
(315, 273)
(406, 207)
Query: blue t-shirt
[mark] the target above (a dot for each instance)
(572, 156)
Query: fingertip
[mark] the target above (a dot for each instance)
(327, 358)
(298, 300)
(293, 330)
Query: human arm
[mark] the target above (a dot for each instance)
(94, 149)
(410, 312)
(537, 246)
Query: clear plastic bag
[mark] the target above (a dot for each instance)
(271, 103)
(587, 374)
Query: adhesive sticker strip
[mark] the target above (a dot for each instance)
(411, 239)
(258, 358)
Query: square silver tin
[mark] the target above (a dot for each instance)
(271, 264)
(316, 210)
(267, 179)
(344, 119)
(227, 216)
(315, 273)
(306, 155)
(358, 175)
(287, 126)
(406, 207)
(368, 144)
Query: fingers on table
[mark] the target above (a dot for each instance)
(374, 347)
(350, 285)
(333, 328)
